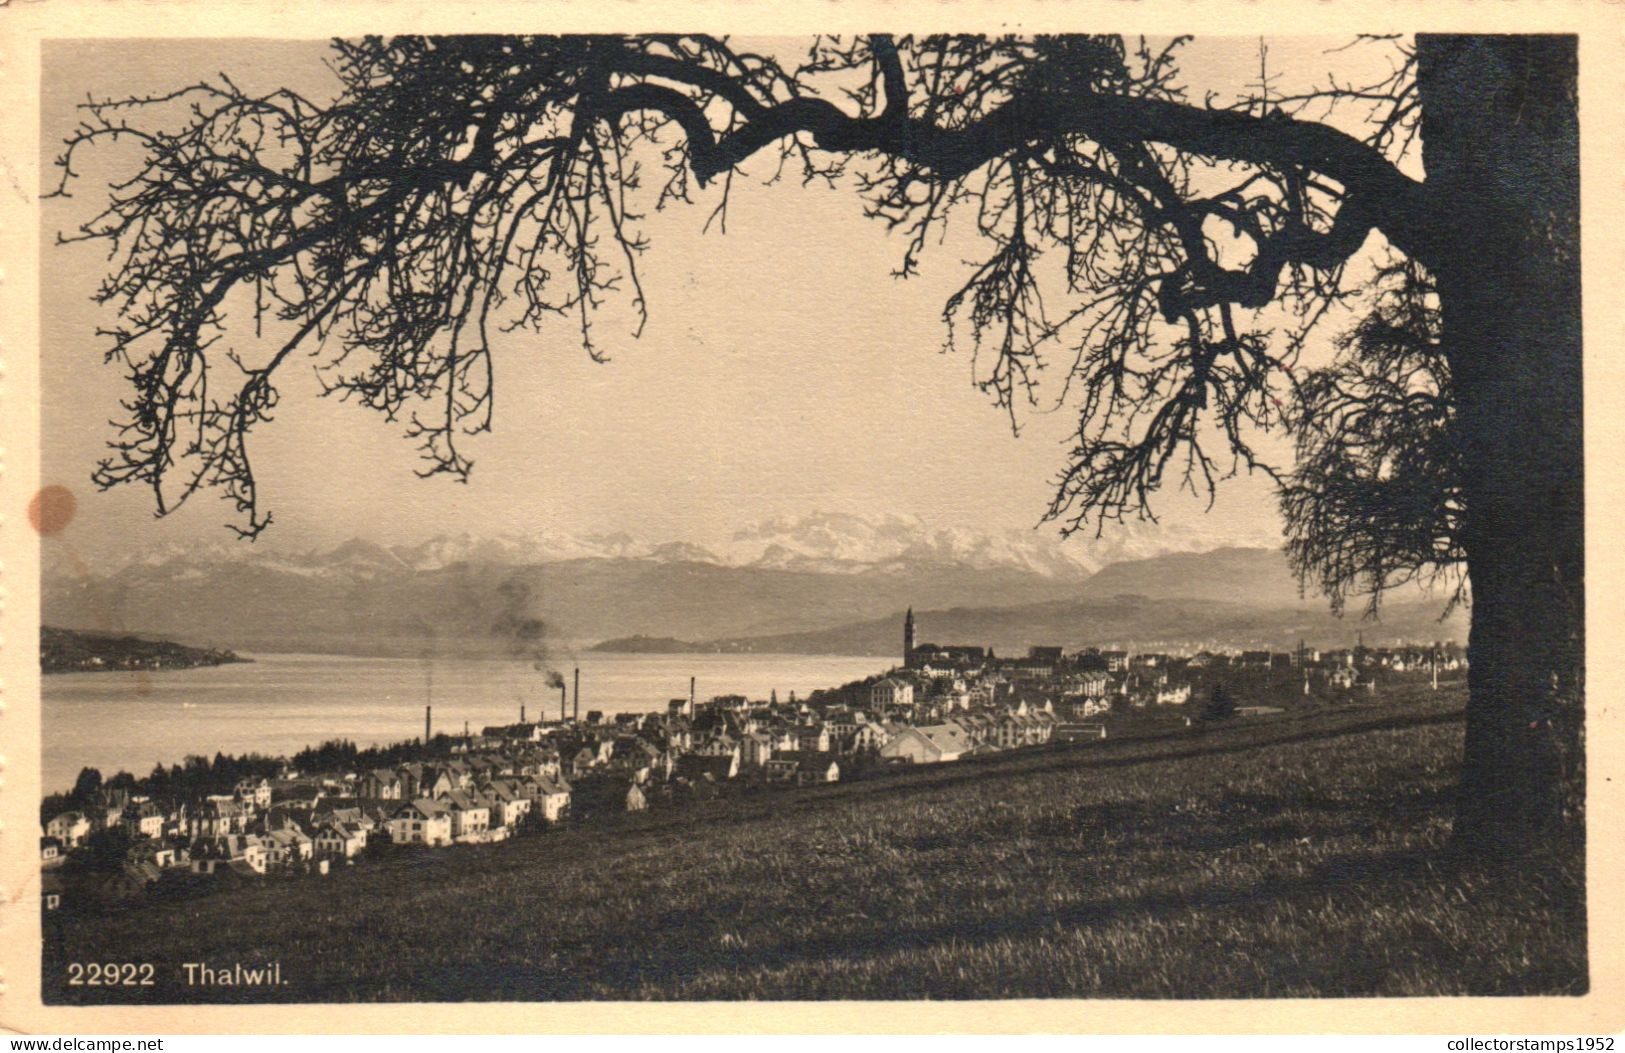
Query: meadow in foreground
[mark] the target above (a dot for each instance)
(1294, 857)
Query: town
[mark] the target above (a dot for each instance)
(201, 826)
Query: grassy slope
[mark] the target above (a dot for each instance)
(1288, 857)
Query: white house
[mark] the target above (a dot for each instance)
(470, 815)
(219, 816)
(142, 818)
(552, 796)
(70, 828)
(1173, 694)
(421, 822)
(1085, 706)
(509, 804)
(891, 691)
(255, 793)
(339, 840)
(289, 845)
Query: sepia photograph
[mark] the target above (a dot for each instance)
(884, 516)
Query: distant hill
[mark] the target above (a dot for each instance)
(649, 645)
(1127, 621)
(67, 651)
(1254, 577)
(1231, 597)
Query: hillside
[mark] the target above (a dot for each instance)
(67, 651)
(1256, 577)
(1129, 621)
(1309, 849)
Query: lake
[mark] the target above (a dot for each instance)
(280, 703)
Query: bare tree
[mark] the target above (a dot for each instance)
(1374, 498)
(458, 183)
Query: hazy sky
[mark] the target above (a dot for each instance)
(782, 371)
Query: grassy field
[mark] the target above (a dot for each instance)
(1289, 856)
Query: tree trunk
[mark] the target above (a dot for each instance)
(1501, 149)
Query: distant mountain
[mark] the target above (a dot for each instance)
(1131, 622)
(844, 544)
(790, 578)
(360, 605)
(1227, 598)
(1256, 577)
(820, 543)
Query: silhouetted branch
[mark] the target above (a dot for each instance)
(456, 180)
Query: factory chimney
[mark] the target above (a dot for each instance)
(577, 714)
(428, 711)
(521, 712)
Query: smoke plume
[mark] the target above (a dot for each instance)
(518, 625)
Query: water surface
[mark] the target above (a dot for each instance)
(280, 703)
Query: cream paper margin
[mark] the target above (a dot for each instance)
(24, 23)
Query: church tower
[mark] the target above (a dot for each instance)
(908, 639)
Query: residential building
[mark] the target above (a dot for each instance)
(339, 840)
(928, 744)
(552, 795)
(421, 822)
(69, 828)
(891, 691)
(695, 767)
(470, 814)
(142, 818)
(255, 793)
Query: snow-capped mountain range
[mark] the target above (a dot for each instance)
(813, 582)
(823, 543)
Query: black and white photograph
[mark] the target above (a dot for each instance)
(553, 517)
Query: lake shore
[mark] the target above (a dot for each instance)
(282, 703)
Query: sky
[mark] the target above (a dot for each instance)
(782, 371)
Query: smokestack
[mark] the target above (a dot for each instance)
(564, 689)
(521, 712)
(691, 692)
(578, 694)
(428, 711)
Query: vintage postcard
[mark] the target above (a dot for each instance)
(912, 517)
